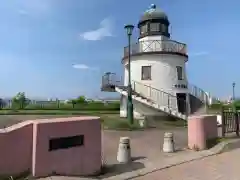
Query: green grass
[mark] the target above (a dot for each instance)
(174, 123)
(109, 119)
(54, 112)
(114, 122)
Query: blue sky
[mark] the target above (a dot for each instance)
(41, 40)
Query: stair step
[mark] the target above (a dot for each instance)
(151, 103)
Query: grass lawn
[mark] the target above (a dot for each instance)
(113, 121)
(109, 119)
(54, 112)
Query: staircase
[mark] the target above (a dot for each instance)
(153, 98)
(153, 101)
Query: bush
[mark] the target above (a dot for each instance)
(87, 106)
(216, 106)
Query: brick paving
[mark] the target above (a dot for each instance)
(224, 166)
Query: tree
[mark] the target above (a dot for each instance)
(80, 100)
(73, 102)
(20, 100)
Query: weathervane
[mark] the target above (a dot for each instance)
(152, 8)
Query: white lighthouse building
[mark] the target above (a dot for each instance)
(158, 72)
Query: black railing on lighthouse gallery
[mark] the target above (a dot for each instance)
(164, 46)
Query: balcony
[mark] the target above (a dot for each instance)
(157, 46)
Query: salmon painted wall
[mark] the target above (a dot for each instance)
(80, 160)
(16, 149)
(200, 129)
(25, 146)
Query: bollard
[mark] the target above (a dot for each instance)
(168, 144)
(142, 123)
(124, 150)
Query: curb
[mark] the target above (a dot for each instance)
(218, 149)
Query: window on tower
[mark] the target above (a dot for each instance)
(146, 73)
(163, 28)
(179, 73)
(154, 27)
(144, 29)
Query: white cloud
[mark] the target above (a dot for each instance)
(83, 67)
(201, 53)
(105, 30)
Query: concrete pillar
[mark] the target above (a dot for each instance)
(168, 144)
(201, 128)
(124, 150)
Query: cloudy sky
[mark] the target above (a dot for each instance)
(60, 48)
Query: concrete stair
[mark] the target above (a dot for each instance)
(170, 111)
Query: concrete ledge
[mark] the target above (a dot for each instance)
(177, 160)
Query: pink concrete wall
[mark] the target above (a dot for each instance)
(24, 146)
(82, 160)
(200, 129)
(16, 149)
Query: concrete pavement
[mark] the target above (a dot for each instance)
(219, 167)
(186, 166)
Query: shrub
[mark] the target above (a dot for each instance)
(87, 106)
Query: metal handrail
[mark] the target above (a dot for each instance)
(198, 92)
(157, 96)
(156, 46)
(136, 82)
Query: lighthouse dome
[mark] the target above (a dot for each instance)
(154, 13)
(154, 22)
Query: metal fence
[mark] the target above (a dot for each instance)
(230, 121)
(32, 105)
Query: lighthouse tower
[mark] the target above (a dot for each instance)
(158, 72)
(156, 59)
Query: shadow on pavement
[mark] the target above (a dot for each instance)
(138, 158)
(116, 169)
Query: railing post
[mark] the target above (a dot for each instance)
(150, 92)
(237, 123)
(133, 86)
(168, 101)
(235, 118)
(223, 122)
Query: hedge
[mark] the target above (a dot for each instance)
(91, 106)
(219, 106)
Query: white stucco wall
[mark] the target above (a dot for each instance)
(163, 71)
(153, 38)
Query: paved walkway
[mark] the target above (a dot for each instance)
(150, 141)
(224, 166)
